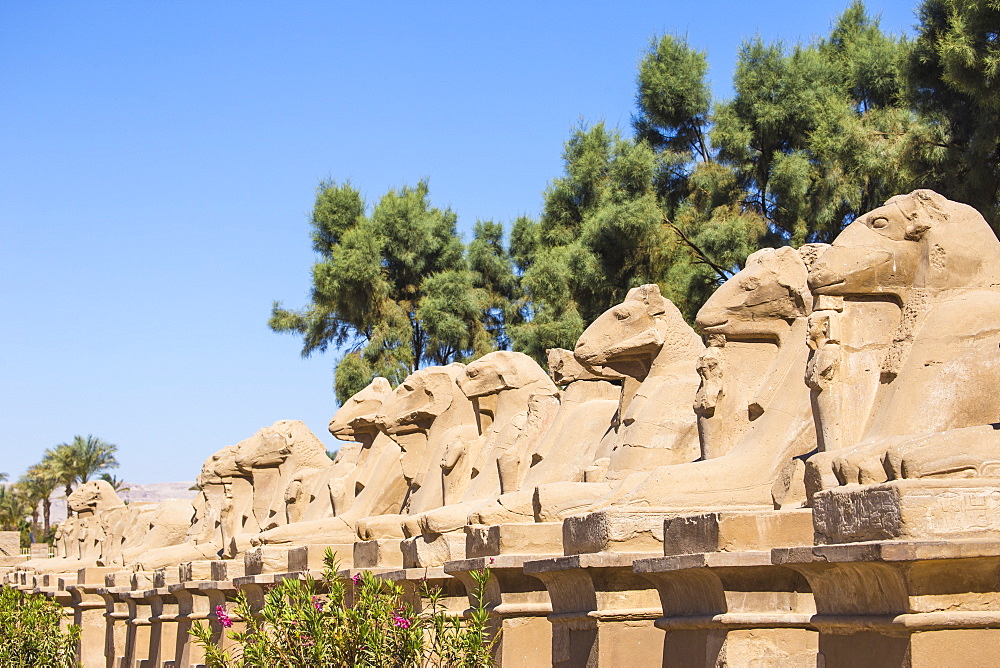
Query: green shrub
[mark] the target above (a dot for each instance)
(30, 634)
(298, 626)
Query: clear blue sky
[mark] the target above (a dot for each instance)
(159, 160)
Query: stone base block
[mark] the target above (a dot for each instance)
(613, 531)
(310, 557)
(378, 553)
(433, 550)
(260, 560)
(227, 569)
(908, 509)
(737, 531)
(164, 577)
(194, 571)
(142, 580)
(514, 538)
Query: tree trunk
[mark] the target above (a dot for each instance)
(69, 490)
(46, 508)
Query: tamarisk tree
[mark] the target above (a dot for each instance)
(393, 286)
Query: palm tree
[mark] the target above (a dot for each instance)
(13, 509)
(80, 459)
(38, 484)
(62, 465)
(92, 456)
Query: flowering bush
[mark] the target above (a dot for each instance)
(299, 626)
(30, 634)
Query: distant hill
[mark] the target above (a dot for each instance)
(159, 491)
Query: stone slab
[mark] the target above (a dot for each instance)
(737, 531)
(681, 562)
(427, 551)
(587, 560)
(10, 544)
(889, 551)
(541, 538)
(378, 553)
(193, 571)
(311, 557)
(265, 559)
(908, 509)
(226, 569)
(614, 531)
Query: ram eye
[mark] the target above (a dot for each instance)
(621, 315)
(879, 223)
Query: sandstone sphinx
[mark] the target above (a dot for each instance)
(645, 339)
(98, 512)
(500, 386)
(427, 415)
(216, 518)
(905, 358)
(564, 438)
(753, 405)
(374, 486)
(282, 461)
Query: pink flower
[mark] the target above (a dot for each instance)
(399, 621)
(318, 604)
(492, 560)
(356, 578)
(220, 614)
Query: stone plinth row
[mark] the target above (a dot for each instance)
(724, 589)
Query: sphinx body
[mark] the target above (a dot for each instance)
(375, 485)
(753, 405)
(282, 462)
(500, 385)
(565, 437)
(645, 339)
(906, 345)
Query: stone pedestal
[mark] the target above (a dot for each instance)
(614, 531)
(602, 612)
(903, 603)
(265, 559)
(193, 605)
(138, 627)
(430, 550)
(732, 608)
(518, 607)
(538, 538)
(909, 509)
(115, 617)
(88, 613)
(310, 558)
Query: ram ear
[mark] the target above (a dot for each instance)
(651, 297)
(441, 386)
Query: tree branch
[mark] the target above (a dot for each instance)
(702, 256)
